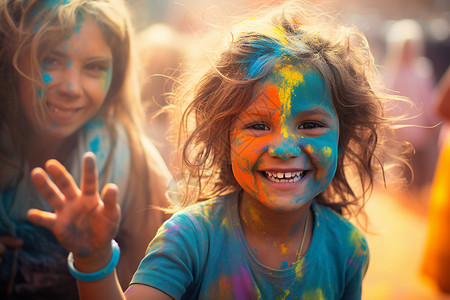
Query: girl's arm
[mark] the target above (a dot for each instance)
(141, 219)
(85, 226)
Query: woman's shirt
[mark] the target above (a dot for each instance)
(202, 253)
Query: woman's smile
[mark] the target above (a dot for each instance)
(62, 114)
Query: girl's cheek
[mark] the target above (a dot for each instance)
(242, 144)
(106, 80)
(48, 78)
(323, 156)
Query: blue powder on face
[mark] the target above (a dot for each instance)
(47, 78)
(284, 264)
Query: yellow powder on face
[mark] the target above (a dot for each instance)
(289, 78)
(326, 151)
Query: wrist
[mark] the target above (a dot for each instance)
(97, 267)
(94, 261)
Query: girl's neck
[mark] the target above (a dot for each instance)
(275, 237)
(256, 216)
(42, 147)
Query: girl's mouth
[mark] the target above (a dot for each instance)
(284, 177)
(60, 110)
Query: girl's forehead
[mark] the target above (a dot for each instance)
(86, 38)
(294, 87)
(290, 76)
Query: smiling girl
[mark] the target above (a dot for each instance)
(283, 124)
(68, 86)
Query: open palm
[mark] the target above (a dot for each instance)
(82, 222)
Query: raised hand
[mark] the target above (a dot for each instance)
(82, 222)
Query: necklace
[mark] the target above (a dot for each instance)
(305, 230)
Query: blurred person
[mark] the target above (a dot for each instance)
(409, 73)
(161, 51)
(68, 86)
(436, 262)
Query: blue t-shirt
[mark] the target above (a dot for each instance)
(201, 253)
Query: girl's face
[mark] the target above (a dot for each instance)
(284, 147)
(77, 74)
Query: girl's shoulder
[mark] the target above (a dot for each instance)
(213, 206)
(208, 213)
(337, 226)
(330, 215)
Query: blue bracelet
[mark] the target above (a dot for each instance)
(99, 274)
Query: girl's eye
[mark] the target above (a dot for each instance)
(258, 127)
(97, 67)
(310, 125)
(50, 62)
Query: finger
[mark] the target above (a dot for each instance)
(42, 218)
(47, 188)
(109, 196)
(89, 179)
(62, 178)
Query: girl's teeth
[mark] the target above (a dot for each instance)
(58, 110)
(284, 177)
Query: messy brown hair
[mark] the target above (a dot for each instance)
(290, 34)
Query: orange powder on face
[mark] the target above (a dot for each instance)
(309, 149)
(273, 94)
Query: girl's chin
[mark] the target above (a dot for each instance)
(283, 205)
(59, 132)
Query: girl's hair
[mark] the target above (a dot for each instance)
(290, 34)
(30, 29)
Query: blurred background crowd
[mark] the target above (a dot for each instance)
(410, 40)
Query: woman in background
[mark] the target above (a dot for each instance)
(68, 86)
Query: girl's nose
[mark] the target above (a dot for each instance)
(285, 148)
(70, 84)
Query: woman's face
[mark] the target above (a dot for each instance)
(77, 74)
(284, 147)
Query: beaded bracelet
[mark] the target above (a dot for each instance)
(99, 274)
